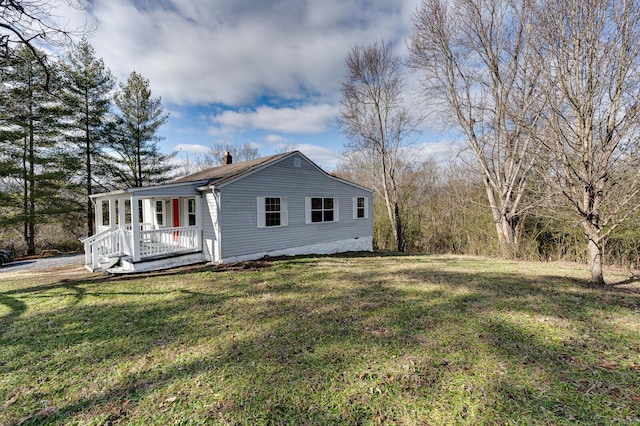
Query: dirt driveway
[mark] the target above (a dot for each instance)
(40, 265)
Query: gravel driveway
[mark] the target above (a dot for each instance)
(42, 263)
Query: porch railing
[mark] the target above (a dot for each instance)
(103, 244)
(145, 226)
(151, 243)
(158, 242)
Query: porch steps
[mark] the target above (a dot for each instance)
(127, 266)
(106, 262)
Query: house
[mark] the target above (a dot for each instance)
(278, 205)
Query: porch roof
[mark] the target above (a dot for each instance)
(150, 191)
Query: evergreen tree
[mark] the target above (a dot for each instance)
(88, 86)
(136, 158)
(36, 166)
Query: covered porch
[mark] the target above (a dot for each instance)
(139, 225)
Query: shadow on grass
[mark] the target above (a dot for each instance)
(304, 341)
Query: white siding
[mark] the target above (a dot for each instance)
(240, 235)
(209, 226)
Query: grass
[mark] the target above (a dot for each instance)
(321, 340)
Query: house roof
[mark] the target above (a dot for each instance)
(222, 175)
(226, 172)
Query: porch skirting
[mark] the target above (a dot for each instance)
(342, 246)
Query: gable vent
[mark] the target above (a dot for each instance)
(296, 162)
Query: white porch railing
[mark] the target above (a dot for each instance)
(159, 242)
(103, 244)
(145, 226)
(151, 242)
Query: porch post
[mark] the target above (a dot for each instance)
(121, 213)
(97, 213)
(199, 222)
(135, 229)
(112, 213)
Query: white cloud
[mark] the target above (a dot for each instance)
(231, 52)
(233, 57)
(325, 157)
(310, 119)
(275, 139)
(185, 147)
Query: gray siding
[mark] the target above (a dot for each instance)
(240, 234)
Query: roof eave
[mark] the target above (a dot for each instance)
(147, 188)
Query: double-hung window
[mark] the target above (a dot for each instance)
(272, 212)
(160, 212)
(321, 209)
(191, 211)
(360, 208)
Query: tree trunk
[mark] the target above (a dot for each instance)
(505, 228)
(31, 213)
(508, 237)
(397, 228)
(89, 191)
(391, 200)
(595, 262)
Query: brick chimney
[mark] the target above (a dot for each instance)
(227, 159)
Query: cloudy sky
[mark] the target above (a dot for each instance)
(265, 72)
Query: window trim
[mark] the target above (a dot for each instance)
(356, 208)
(308, 210)
(189, 214)
(162, 212)
(106, 212)
(262, 212)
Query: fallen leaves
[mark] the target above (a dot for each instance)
(10, 401)
(609, 365)
(164, 405)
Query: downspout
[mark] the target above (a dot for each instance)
(217, 196)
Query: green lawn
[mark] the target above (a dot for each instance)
(369, 339)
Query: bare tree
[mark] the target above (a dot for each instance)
(32, 22)
(376, 122)
(243, 152)
(589, 61)
(213, 157)
(475, 58)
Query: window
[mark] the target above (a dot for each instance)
(127, 211)
(321, 209)
(160, 212)
(360, 208)
(105, 213)
(191, 211)
(140, 214)
(272, 212)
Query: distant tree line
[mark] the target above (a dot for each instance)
(547, 97)
(66, 132)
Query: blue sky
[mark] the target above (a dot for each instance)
(266, 72)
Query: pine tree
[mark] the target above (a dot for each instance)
(88, 85)
(36, 166)
(136, 158)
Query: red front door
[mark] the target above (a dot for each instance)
(175, 202)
